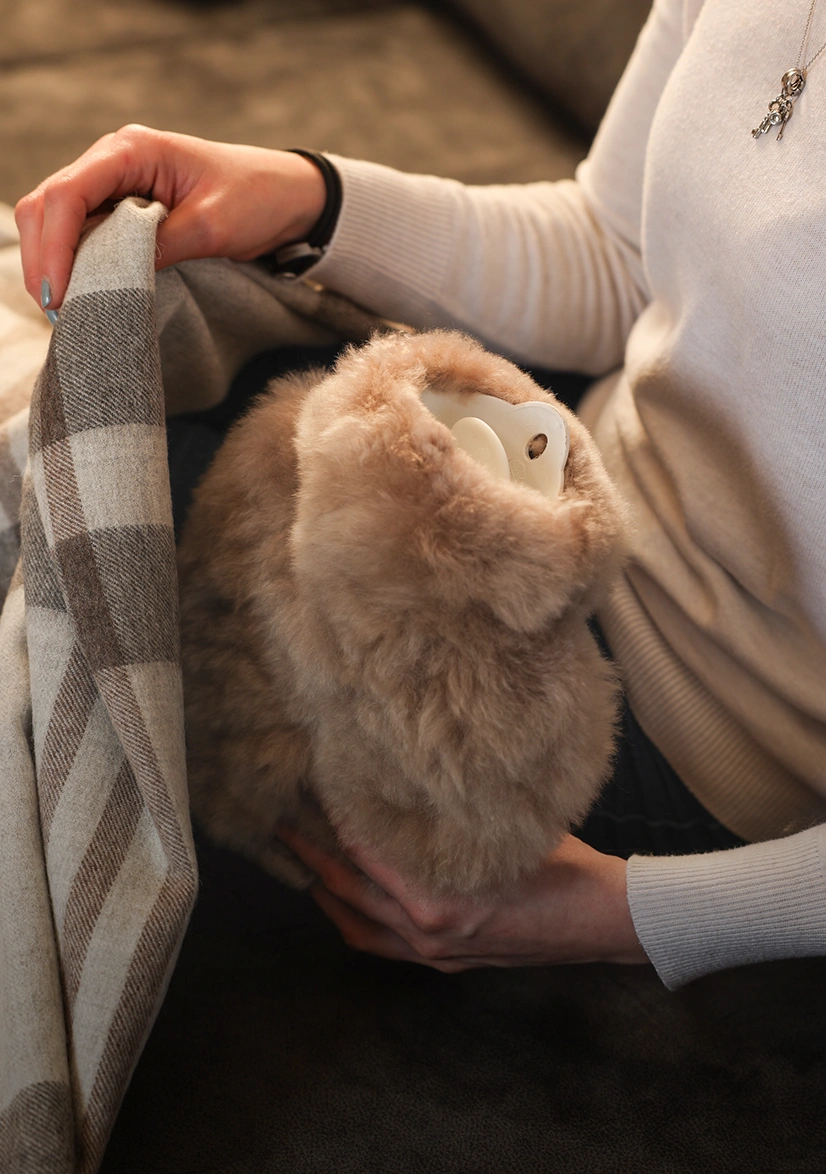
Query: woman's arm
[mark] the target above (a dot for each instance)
(716, 910)
(549, 272)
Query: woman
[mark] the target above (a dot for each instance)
(684, 265)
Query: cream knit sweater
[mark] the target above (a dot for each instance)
(687, 263)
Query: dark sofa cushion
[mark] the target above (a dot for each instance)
(573, 50)
(280, 1051)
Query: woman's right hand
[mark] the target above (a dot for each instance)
(224, 201)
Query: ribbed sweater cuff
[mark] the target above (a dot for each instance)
(697, 914)
(393, 241)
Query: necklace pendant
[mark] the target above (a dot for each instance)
(781, 108)
(780, 111)
(792, 82)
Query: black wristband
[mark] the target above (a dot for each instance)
(321, 232)
(295, 258)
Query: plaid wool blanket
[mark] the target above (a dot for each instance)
(97, 867)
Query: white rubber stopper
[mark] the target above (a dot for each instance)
(480, 442)
(533, 436)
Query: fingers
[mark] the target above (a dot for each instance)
(188, 232)
(360, 933)
(51, 218)
(61, 225)
(340, 878)
(430, 929)
(29, 217)
(378, 891)
(427, 914)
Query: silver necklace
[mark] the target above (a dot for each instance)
(781, 108)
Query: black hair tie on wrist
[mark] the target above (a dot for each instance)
(294, 259)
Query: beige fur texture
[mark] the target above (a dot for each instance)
(384, 644)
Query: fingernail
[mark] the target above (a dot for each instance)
(52, 317)
(45, 293)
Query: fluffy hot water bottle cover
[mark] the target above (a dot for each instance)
(383, 642)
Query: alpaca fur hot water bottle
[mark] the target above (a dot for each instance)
(385, 642)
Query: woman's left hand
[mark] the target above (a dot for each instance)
(574, 909)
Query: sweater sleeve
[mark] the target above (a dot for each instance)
(549, 272)
(697, 914)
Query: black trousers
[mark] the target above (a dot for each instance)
(644, 807)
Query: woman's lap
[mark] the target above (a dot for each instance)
(644, 807)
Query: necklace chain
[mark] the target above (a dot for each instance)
(805, 68)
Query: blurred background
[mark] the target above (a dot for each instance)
(482, 90)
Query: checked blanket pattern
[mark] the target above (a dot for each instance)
(97, 867)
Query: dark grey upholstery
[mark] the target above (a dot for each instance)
(574, 52)
(280, 1051)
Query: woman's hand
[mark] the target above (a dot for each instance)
(223, 200)
(573, 910)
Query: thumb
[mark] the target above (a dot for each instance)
(188, 232)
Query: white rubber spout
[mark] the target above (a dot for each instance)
(525, 442)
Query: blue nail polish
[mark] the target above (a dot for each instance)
(52, 317)
(45, 293)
